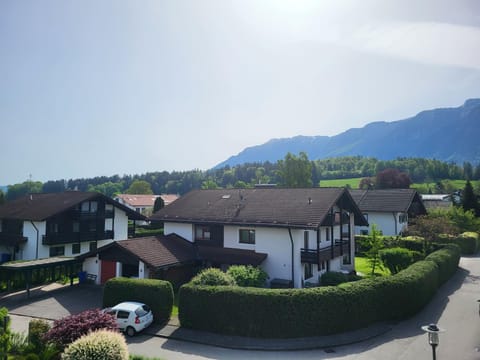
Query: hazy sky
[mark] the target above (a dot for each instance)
(91, 88)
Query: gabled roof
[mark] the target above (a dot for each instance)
(168, 250)
(137, 200)
(389, 200)
(274, 207)
(158, 251)
(39, 207)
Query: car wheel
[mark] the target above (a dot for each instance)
(130, 331)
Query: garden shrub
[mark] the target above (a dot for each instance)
(468, 242)
(333, 278)
(18, 343)
(286, 313)
(248, 275)
(397, 259)
(4, 335)
(157, 294)
(213, 276)
(37, 329)
(99, 344)
(68, 329)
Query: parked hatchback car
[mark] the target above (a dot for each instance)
(131, 316)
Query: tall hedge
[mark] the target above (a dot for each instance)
(469, 242)
(285, 313)
(158, 294)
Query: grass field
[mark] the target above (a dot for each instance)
(362, 266)
(353, 182)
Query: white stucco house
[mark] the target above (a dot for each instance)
(295, 235)
(389, 209)
(70, 223)
(141, 203)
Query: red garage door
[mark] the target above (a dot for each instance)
(108, 270)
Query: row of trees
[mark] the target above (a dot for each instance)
(293, 170)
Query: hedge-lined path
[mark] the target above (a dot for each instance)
(454, 308)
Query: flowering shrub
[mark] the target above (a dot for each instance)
(68, 329)
(100, 344)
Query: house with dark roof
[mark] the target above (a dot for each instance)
(70, 223)
(389, 209)
(141, 203)
(295, 235)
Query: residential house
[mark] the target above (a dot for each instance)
(437, 201)
(389, 209)
(295, 235)
(142, 203)
(70, 223)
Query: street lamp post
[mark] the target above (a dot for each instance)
(433, 338)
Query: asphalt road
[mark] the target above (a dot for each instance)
(454, 308)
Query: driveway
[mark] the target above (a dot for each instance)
(54, 301)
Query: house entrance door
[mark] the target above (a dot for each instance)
(109, 270)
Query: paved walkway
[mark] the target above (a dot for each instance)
(55, 301)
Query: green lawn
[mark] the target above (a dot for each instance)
(362, 266)
(353, 182)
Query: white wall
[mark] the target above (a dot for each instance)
(183, 230)
(385, 222)
(92, 266)
(120, 226)
(28, 251)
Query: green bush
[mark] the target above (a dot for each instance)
(213, 276)
(397, 259)
(469, 242)
(285, 313)
(4, 335)
(248, 275)
(37, 329)
(333, 278)
(99, 344)
(157, 294)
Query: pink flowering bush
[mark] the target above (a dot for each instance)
(68, 329)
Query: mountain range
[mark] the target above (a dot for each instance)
(447, 134)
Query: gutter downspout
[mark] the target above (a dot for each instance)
(291, 242)
(36, 229)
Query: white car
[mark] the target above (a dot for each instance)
(131, 316)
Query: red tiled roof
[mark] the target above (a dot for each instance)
(140, 200)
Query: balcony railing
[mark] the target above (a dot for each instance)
(312, 256)
(9, 239)
(64, 238)
(79, 214)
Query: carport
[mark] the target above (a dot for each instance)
(70, 267)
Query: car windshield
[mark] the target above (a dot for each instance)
(142, 310)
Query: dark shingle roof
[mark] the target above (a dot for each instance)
(39, 207)
(160, 251)
(388, 200)
(279, 207)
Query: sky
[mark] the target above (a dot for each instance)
(91, 88)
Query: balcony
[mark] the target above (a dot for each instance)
(65, 238)
(10, 239)
(311, 256)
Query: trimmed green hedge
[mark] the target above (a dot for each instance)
(469, 242)
(287, 313)
(158, 294)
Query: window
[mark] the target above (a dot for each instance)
(305, 239)
(76, 227)
(327, 234)
(75, 248)
(308, 271)
(202, 232)
(93, 246)
(121, 314)
(57, 251)
(247, 236)
(365, 215)
(403, 218)
(363, 232)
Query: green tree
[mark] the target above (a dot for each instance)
(295, 171)
(376, 244)
(2, 197)
(209, 185)
(28, 187)
(140, 187)
(158, 204)
(469, 200)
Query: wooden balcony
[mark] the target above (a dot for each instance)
(312, 256)
(65, 238)
(9, 239)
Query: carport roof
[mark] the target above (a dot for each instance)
(39, 263)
